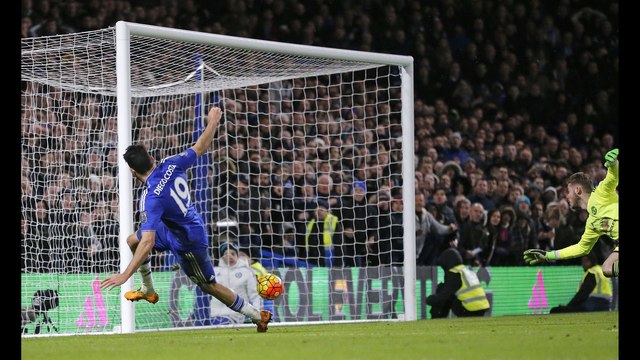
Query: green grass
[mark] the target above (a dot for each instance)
(558, 336)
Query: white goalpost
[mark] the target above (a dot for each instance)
(303, 127)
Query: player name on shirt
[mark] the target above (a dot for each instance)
(163, 181)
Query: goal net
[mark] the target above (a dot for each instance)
(306, 174)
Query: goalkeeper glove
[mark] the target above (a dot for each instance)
(537, 256)
(611, 158)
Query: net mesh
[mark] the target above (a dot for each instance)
(304, 174)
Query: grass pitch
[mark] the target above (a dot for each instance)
(557, 336)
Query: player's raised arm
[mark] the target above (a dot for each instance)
(204, 141)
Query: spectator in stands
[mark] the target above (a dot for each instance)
(514, 193)
(534, 192)
(462, 210)
(235, 273)
(379, 241)
(236, 205)
(473, 235)
(65, 225)
(303, 209)
(562, 235)
(25, 27)
(90, 246)
(105, 229)
(355, 214)
(500, 195)
(397, 253)
(397, 230)
(462, 187)
(278, 212)
(454, 150)
(584, 73)
(481, 195)
(431, 232)
(323, 243)
(288, 246)
(488, 255)
(552, 221)
(524, 233)
(324, 191)
(259, 214)
(523, 205)
(503, 254)
(440, 200)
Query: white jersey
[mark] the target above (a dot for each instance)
(242, 280)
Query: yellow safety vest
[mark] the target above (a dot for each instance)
(258, 269)
(603, 287)
(330, 223)
(471, 293)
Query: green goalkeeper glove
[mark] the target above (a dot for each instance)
(537, 256)
(611, 158)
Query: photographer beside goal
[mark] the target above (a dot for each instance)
(601, 204)
(169, 221)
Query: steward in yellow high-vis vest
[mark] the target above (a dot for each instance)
(461, 291)
(323, 238)
(595, 291)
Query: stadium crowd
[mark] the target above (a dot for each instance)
(511, 97)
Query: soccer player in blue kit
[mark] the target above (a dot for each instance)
(169, 221)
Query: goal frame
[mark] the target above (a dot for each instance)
(124, 30)
(119, 82)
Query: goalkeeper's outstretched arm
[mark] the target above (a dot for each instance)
(603, 209)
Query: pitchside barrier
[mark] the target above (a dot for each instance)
(361, 295)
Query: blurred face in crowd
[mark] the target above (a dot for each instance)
(396, 205)
(476, 212)
(321, 213)
(495, 217)
(230, 257)
(358, 193)
(420, 201)
(464, 209)
(439, 196)
(482, 187)
(383, 203)
(502, 188)
(325, 183)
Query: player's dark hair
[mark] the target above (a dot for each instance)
(138, 158)
(581, 179)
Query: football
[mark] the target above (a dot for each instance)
(270, 286)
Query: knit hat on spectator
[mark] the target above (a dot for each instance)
(322, 202)
(360, 185)
(554, 193)
(457, 169)
(521, 199)
(226, 245)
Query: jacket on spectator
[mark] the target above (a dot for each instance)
(461, 290)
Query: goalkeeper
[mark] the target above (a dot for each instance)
(602, 205)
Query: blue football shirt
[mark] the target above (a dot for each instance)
(167, 200)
